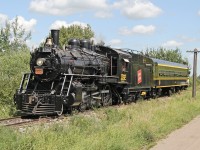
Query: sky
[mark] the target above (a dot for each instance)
(133, 24)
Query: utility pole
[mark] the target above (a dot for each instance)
(194, 72)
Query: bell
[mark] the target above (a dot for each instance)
(48, 41)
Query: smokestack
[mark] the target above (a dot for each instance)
(55, 36)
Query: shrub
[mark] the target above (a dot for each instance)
(13, 65)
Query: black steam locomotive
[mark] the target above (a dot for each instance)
(82, 76)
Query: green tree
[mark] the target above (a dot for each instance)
(13, 36)
(173, 55)
(5, 34)
(75, 31)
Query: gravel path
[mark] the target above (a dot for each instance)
(185, 138)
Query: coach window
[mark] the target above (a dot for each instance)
(124, 64)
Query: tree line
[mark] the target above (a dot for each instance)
(173, 55)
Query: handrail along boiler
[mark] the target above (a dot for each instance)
(83, 75)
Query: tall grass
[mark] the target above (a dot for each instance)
(135, 126)
(12, 66)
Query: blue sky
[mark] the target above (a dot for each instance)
(134, 24)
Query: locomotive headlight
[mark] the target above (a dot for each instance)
(40, 61)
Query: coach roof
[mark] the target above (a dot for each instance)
(168, 63)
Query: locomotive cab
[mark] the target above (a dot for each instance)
(119, 63)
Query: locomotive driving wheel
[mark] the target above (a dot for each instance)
(59, 113)
(82, 107)
(106, 96)
(84, 104)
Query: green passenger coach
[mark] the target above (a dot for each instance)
(168, 74)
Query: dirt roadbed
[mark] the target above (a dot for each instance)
(185, 138)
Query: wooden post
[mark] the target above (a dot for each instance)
(194, 72)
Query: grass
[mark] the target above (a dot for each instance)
(129, 127)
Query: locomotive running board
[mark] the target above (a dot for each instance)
(103, 79)
(90, 76)
(98, 98)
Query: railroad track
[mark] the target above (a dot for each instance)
(19, 122)
(16, 121)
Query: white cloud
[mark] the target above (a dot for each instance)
(188, 39)
(137, 9)
(139, 29)
(3, 18)
(133, 9)
(28, 25)
(115, 42)
(66, 7)
(103, 14)
(172, 43)
(59, 23)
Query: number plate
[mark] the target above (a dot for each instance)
(38, 71)
(123, 77)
